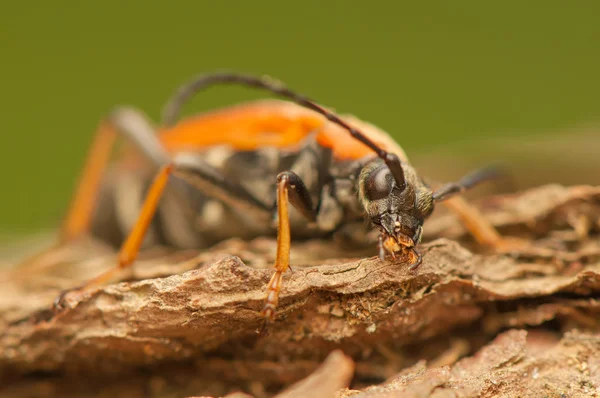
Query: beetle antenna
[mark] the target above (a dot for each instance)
(468, 181)
(185, 92)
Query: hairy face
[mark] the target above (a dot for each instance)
(397, 210)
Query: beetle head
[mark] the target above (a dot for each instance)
(397, 208)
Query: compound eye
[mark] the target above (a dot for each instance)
(379, 183)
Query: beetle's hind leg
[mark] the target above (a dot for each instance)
(122, 122)
(290, 189)
(128, 123)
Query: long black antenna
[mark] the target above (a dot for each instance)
(477, 177)
(173, 107)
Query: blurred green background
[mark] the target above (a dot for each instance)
(431, 73)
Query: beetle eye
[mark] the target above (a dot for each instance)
(379, 183)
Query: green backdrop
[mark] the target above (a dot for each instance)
(429, 72)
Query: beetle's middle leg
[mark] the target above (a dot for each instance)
(207, 179)
(290, 189)
(480, 227)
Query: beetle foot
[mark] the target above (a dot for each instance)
(60, 303)
(263, 330)
(507, 245)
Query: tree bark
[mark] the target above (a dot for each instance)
(467, 323)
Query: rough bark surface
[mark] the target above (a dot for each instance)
(185, 324)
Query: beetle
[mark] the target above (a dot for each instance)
(233, 172)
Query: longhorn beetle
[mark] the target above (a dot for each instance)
(240, 167)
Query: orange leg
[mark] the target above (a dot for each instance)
(480, 228)
(130, 248)
(81, 209)
(290, 189)
(199, 175)
(483, 232)
(134, 126)
(123, 121)
(282, 260)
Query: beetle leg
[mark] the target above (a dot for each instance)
(131, 124)
(127, 122)
(198, 174)
(480, 228)
(472, 219)
(290, 189)
(130, 248)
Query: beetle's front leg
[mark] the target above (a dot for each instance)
(290, 189)
(481, 229)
